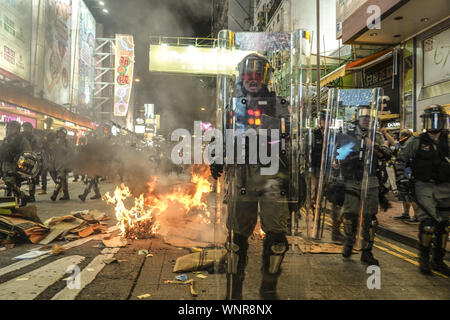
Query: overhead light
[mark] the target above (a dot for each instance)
(105, 10)
(137, 80)
(373, 34)
(101, 3)
(424, 20)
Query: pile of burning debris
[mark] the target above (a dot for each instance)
(166, 209)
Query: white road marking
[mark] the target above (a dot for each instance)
(38, 280)
(22, 264)
(87, 275)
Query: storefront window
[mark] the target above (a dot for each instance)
(408, 85)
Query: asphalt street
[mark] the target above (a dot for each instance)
(133, 276)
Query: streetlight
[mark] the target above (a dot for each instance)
(203, 109)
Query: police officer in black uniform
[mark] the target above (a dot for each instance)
(63, 154)
(428, 156)
(27, 131)
(352, 170)
(252, 187)
(316, 160)
(12, 147)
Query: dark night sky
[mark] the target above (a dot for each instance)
(177, 98)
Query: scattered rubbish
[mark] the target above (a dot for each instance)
(109, 261)
(191, 282)
(116, 242)
(147, 295)
(143, 252)
(149, 255)
(199, 260)
(18, 229)
(90, 269)
(195, 249)
(120, 261)
(57, 250)
(201, 276)
(22, 279)
(3, 249)
(30, 255)
(181, 277)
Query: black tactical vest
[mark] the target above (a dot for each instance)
(10, 148)
(429, 161)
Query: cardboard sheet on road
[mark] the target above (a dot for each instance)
(308, 246)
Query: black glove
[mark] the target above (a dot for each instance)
(216, 170)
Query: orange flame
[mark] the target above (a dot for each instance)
(152, 210)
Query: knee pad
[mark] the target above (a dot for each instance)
(236, 253)
(372, 229)
(275, 247)
(441, 234)
(426, 231)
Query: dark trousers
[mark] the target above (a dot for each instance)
(44, 177)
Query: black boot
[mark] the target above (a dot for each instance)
(97, 196)
(65, 197)
(82, 197)
(367, 257)
(53, 197)
(347, 251)
(437, 261)
(275, 246)
(424, 260)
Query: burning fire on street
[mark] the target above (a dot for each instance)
(163, 211)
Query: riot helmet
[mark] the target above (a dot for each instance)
(322, 117)
(61, 132)
(12, 128)
(254, 74)
(364, 116)
(27, 128)
(434, 119)
(28, 165)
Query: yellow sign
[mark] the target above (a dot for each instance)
(194, 60)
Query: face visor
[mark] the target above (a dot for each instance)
(255, 69)
(435, 122)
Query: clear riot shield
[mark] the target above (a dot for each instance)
(352, 151)
(259, 111)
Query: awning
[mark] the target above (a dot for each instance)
(370, 60)
(336, 74)
(356, 65)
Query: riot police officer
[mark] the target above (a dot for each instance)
(27, 130)
(428, 157)
(252, 103)
(62, 159)
(352, 170)
(316, 160)
(12, 147)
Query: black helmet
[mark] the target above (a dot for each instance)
(323, 114)
(254, 67)
(12, 127)
(434, 118)
(27, 127)
(61, 130)
(28, 165)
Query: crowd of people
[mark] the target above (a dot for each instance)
(29, 157)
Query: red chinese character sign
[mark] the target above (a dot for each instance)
(124, 68)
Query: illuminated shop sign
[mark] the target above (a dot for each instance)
(124, 68)
(8, 117)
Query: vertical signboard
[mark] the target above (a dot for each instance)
(124, 68)
(57, 51)
(15, 39)
(86, 43)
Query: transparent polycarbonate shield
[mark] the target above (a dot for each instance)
(259, 110)
(348, 183)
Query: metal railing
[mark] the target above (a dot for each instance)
(184, 41)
